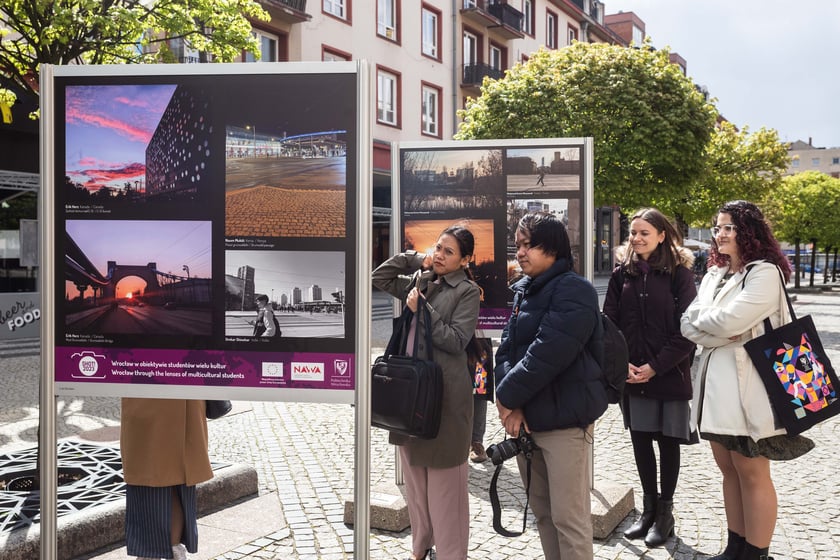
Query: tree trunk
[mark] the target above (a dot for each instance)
(796, 263)
(825, 268)
(834, 268)
(813, 262)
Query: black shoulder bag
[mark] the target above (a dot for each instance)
(406, 393)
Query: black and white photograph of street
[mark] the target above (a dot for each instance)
(306, 292)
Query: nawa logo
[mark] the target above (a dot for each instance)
(307, 371)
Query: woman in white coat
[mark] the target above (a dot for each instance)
(731, 409)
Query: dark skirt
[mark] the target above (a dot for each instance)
(148, 520)
(668, 418)
(775, 448)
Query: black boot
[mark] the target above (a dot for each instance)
(663, 524)
(734, 546)
(640, 528)
(752, 552)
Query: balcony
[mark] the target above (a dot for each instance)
(473, 74)
(494, 15)
(288, 11)
(510, 17)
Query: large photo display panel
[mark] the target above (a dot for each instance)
(488, 186)
(207, 226)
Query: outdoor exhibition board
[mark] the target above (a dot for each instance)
(488, 185)
(181, 195)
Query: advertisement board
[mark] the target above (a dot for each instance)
(488, 185)
(204, 230)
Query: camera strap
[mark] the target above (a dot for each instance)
(497, 508)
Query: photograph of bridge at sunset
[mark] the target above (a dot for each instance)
(137, 277)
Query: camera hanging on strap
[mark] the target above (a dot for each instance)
(499, 454)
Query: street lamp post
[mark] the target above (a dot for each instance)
(253, 130)
(187, 270)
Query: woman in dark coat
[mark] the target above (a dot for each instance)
(436, 472)
(646, 296)
(549, 383)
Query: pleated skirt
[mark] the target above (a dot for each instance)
(148, 520)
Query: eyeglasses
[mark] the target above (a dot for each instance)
(728, 228)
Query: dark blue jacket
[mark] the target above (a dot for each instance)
(548, 361)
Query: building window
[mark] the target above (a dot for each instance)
(835, 161)
(268, 47)
(528, 17)
(387, 95)
(795, 162)
(386, 19)
(470, 49)
(468, 4)
(497, 57)
(329, 54)
(337, 8)
(551, 30)
(573, 35)
(815, 162)
(430, 20)
(431, 110)
(638, 36)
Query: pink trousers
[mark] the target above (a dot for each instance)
(438, 508)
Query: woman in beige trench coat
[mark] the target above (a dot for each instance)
(163, 443)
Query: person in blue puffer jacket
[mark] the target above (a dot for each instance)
(549, 382)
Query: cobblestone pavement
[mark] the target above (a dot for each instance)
(304, 455)
(279, 212)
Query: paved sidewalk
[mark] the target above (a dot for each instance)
(304, 455)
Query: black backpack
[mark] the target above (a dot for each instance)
(616, 358)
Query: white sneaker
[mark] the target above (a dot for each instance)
(179, 552)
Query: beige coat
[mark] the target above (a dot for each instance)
(163, 442)
(733, 400)
(453, 304)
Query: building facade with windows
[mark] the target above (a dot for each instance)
(804, 156)
(426, 58)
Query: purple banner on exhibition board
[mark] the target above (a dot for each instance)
(287, 370)
(493, 318)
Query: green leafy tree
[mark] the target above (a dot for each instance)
(804, 208)
(649, 123)
(35, 32)
(739, 165)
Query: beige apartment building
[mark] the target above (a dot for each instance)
(804, 156)
(426, 58)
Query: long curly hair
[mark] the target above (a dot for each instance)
(754, 238)
(666, 256)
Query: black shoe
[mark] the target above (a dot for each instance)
(642, 525)
(734, 545)
(752, 552)
(663, 525)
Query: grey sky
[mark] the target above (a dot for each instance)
(769, 63)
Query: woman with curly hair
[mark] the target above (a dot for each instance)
(647, 293)
(731, 410)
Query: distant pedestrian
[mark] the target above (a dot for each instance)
(541, 176)
(731, 409)
(480, 353)
(648, 292)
